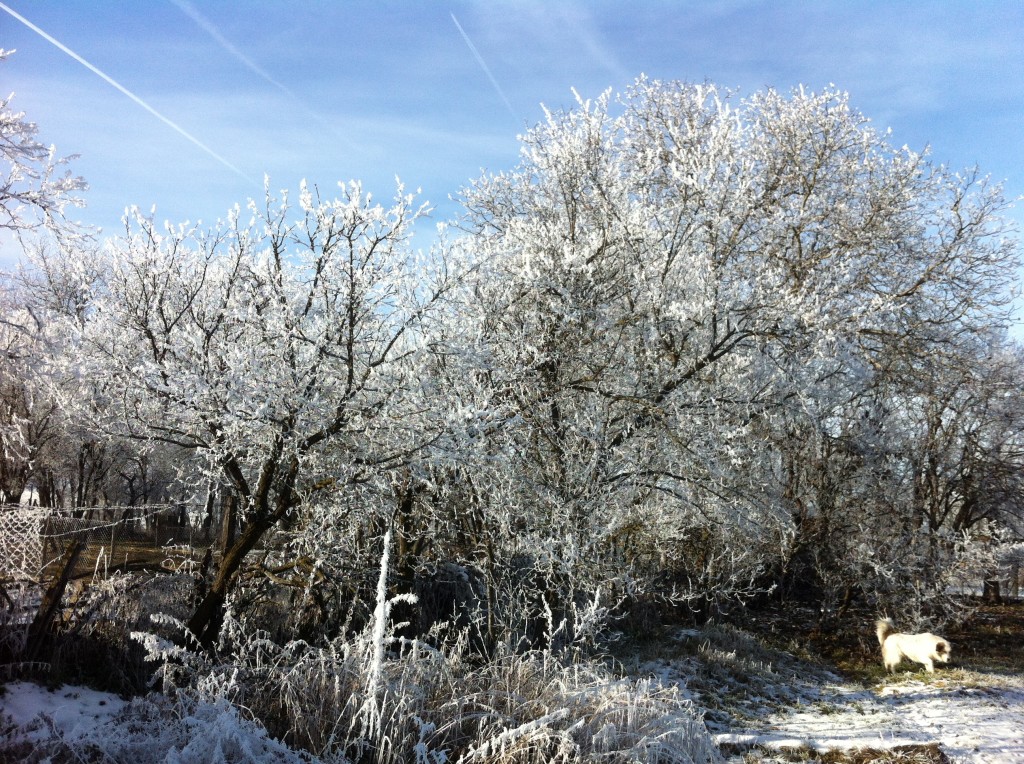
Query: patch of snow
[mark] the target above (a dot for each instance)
(143, 731)
(74, 711)
(980, 721)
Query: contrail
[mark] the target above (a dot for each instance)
(211, 29)
(177, 128)
(483, 64)
(190, 10)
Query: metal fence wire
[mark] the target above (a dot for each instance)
(33, 540)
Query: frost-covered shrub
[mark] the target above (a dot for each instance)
(434, 705)
(88, 640)
(93, 643)
(20, 602)
(378, 698)
(919, 579)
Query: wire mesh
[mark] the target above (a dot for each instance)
(21, 547)
(33, 539)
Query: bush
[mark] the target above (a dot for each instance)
(377, 698)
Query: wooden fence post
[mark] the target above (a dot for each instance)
(45, 543)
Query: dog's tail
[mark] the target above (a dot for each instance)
(883, 628)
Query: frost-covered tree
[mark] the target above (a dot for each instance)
(965, 440)
(678, 280)
(30, 420)
(284, 352)
(69, 463)
(35, 189)
(884, 486)
(36, 186)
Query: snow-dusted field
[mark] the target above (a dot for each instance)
(974, 717)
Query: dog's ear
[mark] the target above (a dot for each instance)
(941, 647)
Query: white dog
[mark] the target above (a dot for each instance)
(919, 648)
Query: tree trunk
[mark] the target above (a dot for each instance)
(406, 551)
(206, 621)
(211, 497)
(208, 617)
(39, 629)
(228, 522)
(45, 493)
(990, 592)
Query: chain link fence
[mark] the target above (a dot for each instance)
(33, 540)
(21, 543)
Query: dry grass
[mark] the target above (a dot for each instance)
(988, 641)
(901, 754)
(736, 675)
(538, 707)
(127, 555)
(514, 708)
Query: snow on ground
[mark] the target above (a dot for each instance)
(81, 724)
(74, 711)
(976, 718)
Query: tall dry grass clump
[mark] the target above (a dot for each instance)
(443, 704)
(375, 698)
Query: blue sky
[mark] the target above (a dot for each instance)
(332, 91)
